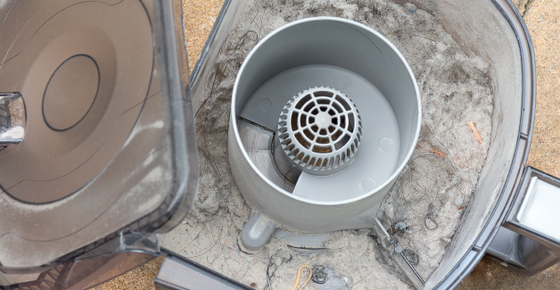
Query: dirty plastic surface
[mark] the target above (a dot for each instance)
(108, 158)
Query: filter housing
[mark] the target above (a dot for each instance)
(319, 132)
(305, 99)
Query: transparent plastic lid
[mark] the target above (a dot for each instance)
(109, 145)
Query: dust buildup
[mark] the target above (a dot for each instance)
(424, 206)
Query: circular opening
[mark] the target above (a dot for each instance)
(70, 93)
(320, 52)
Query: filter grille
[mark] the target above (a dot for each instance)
(320, 130)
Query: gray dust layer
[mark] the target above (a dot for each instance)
(424, 207)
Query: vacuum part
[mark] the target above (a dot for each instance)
(12, 119)
(67, 65)
(319, 131)
(325, 114)
(529, 242)
(97, 136)
(511, 74)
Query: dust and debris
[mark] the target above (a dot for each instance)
(522, 5)
(423, 208)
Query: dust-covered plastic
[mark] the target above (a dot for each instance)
(108, 158)
(473, 63)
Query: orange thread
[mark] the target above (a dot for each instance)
(475, 132)
(438, 153)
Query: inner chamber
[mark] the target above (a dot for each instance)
(368, 91)
(507, 75)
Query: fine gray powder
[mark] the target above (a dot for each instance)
(425, 205)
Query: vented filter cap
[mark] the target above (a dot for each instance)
(320, 130)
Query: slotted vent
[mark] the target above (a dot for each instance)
(320, 130)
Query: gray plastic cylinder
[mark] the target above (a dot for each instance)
(368, 58)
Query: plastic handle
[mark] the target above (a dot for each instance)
(12, 119)
(535, 213)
